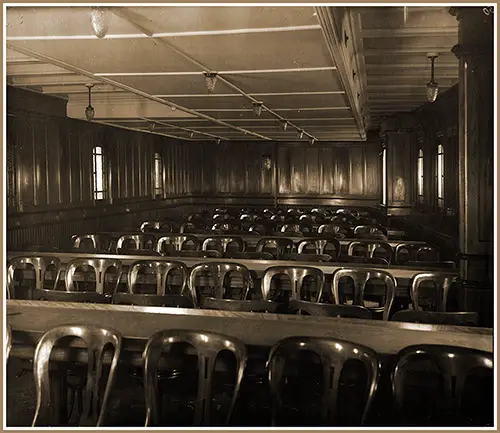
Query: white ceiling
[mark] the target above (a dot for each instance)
(332, 72)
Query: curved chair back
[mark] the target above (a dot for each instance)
(329, 310)
(207, 346)
(155, 226)
(162, 270)
(296, 274)
(142, 241)
(94, 407)
(222, 243)
(320, 246)
(415, 252)
(367, 230)
(360, 278)
(177, 242)
(371, 248)
(290, 228)
(454, 364)
(333, 355)
(281, 245)
(329, 228)
(100, 266)
(225, 227)
(219, 271)
(8, 342)
(100, 242)
(442, 284)
(191, 227)
(40, 265)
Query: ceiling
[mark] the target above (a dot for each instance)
(331, 72)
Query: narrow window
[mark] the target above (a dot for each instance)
(440, 176)
(420, 176)
(384, 177)
(158, 174)
(98, 173)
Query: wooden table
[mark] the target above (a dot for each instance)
(30, 319)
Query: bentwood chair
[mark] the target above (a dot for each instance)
(360, 278)
(441, 283)
(298, 286)
(40, 265)
(439, 385)
(279, 246)
(320, 246)
(207, 346)
(155, 226)
(132, 242)
(371, 249)
(164, 294)
(170, 243)
(93, 394)
(328, 397)
(219, 271)
(223, 243)
(100, 267)
(99, 243)
(415, 252)
(366, 230)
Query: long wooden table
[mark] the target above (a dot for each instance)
(30, 319)
(403, 274)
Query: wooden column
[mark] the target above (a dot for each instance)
(475, 125)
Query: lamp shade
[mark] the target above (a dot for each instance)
(100, 21)
(432, 91)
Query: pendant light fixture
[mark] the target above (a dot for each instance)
(99, 17)
(257, 108)
(89, 111)
(432, 86)
(210, 81)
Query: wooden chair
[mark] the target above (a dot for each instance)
(370, 249)
(167, 244)
(219, 271)
(132, 242)
(454, 404)
(222, 243)
(94, 408)
(320, 246)
(296, 275)
(333, 355)
(207, 346)
(93, 242)
(164, 295)
(40, 265)
(415, 252)
(367, 230)
(280, 245)
(360, 278)
(100, 267)
(155, 226)
(442, 284)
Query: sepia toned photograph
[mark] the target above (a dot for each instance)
(249, 215)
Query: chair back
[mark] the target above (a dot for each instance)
(360, 278)
(454, 364)
(142, 241)
(329, 228)
(99, 242)
(94, 407)
(191, 227)
(219, 271)
(281, 245)
(333, 355)
(162, 269)
(320, 246)
(207, 346)
(290, 228)
(329, 310)
(367, 230)
(415, 252)
(225, 227)
(100, 266)
(442, 284)
(178, 242)
(296, 274)
(40, 265)
(221, 243)
(154, 226)
(8, 342)
(370, 248)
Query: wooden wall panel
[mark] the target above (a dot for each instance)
(400, 169)
(326, 164)
(342, 169)
(357, 170)
(312, 170)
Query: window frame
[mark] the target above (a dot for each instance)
(158, 178)
(440, 176)
(99, 195)
(420, 176)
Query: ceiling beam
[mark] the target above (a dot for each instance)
(122, 86)
(410, 32)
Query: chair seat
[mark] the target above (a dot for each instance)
(152, 300)
(240, 305)
(65, 296)
(330, 310)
